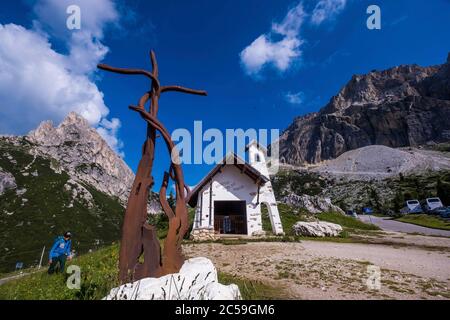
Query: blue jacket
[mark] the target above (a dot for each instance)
(60, 247)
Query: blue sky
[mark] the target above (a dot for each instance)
(198, 45)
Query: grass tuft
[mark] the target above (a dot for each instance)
(253, 290)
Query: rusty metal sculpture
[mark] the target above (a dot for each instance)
(139, 238)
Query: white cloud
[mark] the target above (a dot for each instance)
(295, 98)
(38, 83)
(262, 51)
(84, 45)
(95, 15)
(35, 83)
(269, 50)
(280, 54)
(327, 9)
(290, 26)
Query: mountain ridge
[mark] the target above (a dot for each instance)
(403, 106)
(81, 151)
(60, 178)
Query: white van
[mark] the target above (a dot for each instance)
(411, 206)
(432, 203)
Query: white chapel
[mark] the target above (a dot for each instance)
(228, 199)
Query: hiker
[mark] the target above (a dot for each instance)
(60, 252)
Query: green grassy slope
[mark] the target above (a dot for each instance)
(381, 195)
(32, 220)
(99, 275)
(426, 220)
(298, 182)
(290, 215)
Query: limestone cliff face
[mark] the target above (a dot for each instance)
(78, 149)
(403, 106)
(84, 155)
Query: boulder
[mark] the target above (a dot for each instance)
(7, 181)
(317, 229)
(313, 204)
(197, 280)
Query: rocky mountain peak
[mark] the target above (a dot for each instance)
(73, 128)
(407, 105)
(378, 87)
(79, 150)
(82, 152)
(74, 117)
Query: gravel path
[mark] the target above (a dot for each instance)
(14, 277)
(329, 270)
(379, 162)
(392, 225)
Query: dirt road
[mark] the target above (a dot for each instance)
(329, 270)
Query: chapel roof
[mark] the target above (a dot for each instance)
(230, 159)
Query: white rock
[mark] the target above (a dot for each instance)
(312, 204)
(197, 280)
(317, 229)
(79, 193)
(7, 181)
(21, 192)
(10, 158)
(55, 166)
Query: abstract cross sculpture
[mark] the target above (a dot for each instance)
(139, 238)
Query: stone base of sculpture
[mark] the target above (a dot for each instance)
(197, 280)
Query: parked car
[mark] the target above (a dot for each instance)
(352, 213)
(411, 206)
(430, 204)
(444, 212)
(447, 213)
(367, 210)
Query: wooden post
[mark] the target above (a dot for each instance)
(42, 256)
